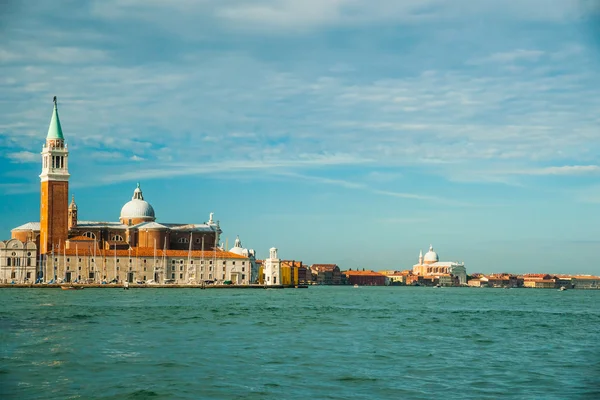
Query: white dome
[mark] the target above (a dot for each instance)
(237, 247)
(137, 207)
(431, 256)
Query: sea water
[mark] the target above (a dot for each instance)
(316, 343)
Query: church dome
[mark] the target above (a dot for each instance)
(431, 256)
(137, 208)
(237, 247)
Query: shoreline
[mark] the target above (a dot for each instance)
(145, 286)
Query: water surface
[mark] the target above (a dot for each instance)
(321, 342)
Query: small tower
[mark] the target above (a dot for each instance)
(72, 213)
(420, 257)
(54, 204)
(272, 269)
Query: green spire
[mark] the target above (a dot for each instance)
(55, 131)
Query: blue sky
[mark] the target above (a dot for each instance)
(344, 131)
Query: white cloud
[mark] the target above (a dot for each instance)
(563, 170)
(23, 157)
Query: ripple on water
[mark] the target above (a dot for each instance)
(324, 342)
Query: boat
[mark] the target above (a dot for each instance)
(562, 288)
(355, 285)
(125, 285)
(71, 287)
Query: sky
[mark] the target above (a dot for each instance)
(339, 131)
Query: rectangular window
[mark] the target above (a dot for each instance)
(172, 276)
(144, 277)
(243, 269)
(180, 276)
(233, 263)
(243, 276)
(181, 268)
(28, 275)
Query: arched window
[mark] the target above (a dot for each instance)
(117, 238)
(183, 240)
(90, 235)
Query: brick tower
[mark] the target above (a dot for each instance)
(54, 223)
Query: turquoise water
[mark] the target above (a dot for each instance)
(321, 342)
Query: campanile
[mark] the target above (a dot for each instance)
(54, 205)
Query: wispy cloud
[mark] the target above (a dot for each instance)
(564, 170)
(23, 157)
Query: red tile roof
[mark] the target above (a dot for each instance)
(362, 273)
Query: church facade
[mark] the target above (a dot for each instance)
(430, 265)
(136, 248)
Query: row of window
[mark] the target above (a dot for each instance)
(131, 261)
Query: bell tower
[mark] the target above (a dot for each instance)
(72, 213)
(54, 205)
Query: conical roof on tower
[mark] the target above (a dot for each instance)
(73, 205)
(55, 130)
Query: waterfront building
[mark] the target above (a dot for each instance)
(272, 269)
(326, 274)
(248, 253)
(430, 265)
(18, 261)
(293, 273)
(365, 278)
(135, 248)
(396, 277)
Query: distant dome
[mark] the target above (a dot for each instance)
(431, 256)
(237, 247)
(137, 207)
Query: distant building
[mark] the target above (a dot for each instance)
(18, 261)
(396, 277)
(365, 278)
(326, 274)
(430, 265)
(251, 255)
(293, 273)
(272, 269)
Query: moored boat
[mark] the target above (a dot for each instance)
(71, 287)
